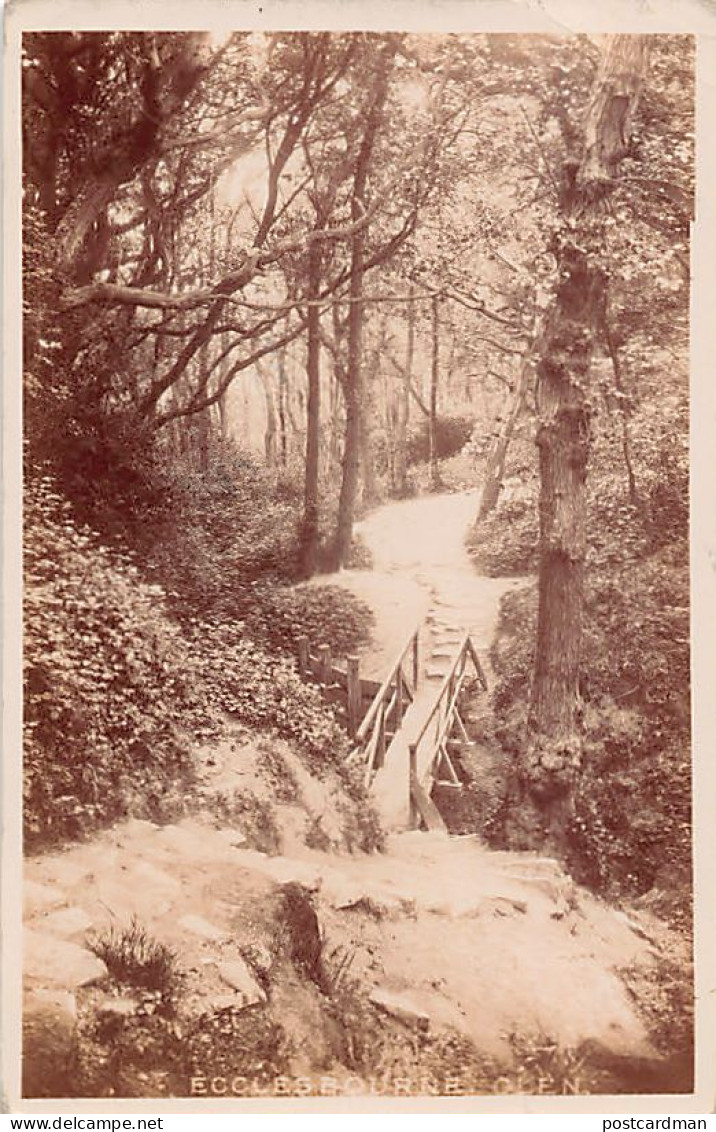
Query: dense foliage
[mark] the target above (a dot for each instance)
(107, 679)
(264, 690)
(451, 434)
(326, 614)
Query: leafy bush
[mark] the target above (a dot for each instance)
(265, 691)
(505, 542)
(106, 676)
(661, 453)
(451, 434)
(637, 681)
(325, 614)
(115, 691)
(217, 533)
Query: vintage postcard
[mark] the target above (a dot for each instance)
(359, 545)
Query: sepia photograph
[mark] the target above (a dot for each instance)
(356, 737)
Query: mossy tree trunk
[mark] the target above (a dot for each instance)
(553, 749)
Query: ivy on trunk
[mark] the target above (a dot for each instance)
(552, 754)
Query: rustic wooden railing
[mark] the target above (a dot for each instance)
(340, 682)
(430, 760)
(390, 703)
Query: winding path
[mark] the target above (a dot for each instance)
(423, 573)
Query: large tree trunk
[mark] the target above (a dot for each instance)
(495, 467)
(402, 416)
(354, 385)
(435, 482)
(553, 753)
(309, 528)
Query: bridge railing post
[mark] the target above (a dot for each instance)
(416, 659)
(412, 782)
(324, 664)
(353, 694)
(399, 678)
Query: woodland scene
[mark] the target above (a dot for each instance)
(357, 751)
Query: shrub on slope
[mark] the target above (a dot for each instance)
(106, 677)
(117, 692)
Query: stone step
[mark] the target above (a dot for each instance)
(401, 1007)
(435, 673)
(52, 962)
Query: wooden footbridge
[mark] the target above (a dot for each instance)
(405, 730)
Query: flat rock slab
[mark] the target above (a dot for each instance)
(37, 898)
(197, 925)
(63, 871)
(238, 975)
(142, 872)
(285, 870)
(400, 1006)
(122, 901)
(55, 962)
(70, 921)
(190, 842)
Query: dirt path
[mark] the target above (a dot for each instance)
(423, 573)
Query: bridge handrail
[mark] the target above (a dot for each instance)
(466, 647)
(386, 689)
